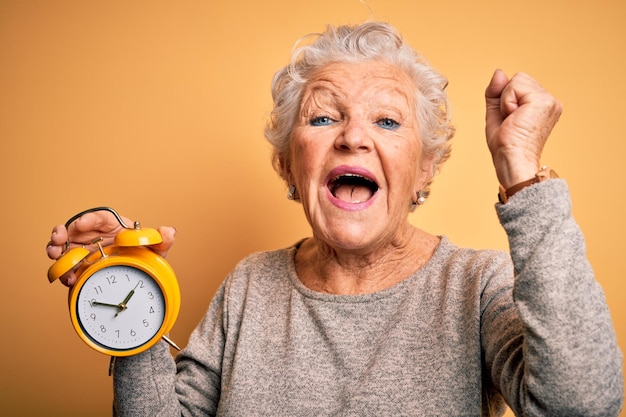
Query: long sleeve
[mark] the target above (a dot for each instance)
(560, 356)
(152, 383)
(143, 385)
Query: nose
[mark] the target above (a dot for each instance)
(354, 137)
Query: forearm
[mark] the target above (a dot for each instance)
(570, 356)
(144, 384)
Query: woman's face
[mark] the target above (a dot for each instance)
(355, 154)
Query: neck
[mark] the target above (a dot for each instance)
(324, 268)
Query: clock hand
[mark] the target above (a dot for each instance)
(97, 303)
(122, 306)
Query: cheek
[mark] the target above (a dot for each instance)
(304, 159)
(405, 164)
(407, 152)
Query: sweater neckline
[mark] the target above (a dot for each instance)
(442, 247)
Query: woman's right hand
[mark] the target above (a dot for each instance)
(90, 226)
(520, 117)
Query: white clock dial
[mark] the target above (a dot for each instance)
(120, 307)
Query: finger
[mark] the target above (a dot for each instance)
(54, 251)
(97, 221)
(541, 107)
(169, 236)
(57, 243)
(58, 235)
(95, 225)
(519, 91)
(68, 279)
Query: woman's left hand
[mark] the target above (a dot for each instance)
(520, 116)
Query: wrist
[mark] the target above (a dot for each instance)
(514, 165)
(543, 174)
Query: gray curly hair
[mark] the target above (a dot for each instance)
(372, 41)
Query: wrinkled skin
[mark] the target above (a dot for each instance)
(372, 240)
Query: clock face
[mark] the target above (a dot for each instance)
(120, 307)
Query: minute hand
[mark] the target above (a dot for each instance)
(98, 303)
(122, 306)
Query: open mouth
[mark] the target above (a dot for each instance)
(352, 188)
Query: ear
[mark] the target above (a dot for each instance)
(285, 170)
(425, 172)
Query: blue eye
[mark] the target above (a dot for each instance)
(388, 124)
(321, 121)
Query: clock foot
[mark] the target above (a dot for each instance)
(170, 342)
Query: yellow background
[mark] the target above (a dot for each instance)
(157, 108)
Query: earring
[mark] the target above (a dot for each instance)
(420, 198)
(291, 195)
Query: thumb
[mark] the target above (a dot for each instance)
(493, 92)
(499, 80)
(169, 235)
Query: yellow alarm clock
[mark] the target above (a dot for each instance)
(126, 297)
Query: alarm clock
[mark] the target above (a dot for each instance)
(126, 297)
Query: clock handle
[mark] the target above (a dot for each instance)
(129, 236)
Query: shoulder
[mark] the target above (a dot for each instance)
(450, 256)
(261, 273)
(262, 263)
(477, 268)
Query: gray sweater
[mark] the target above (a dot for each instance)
(466, 332)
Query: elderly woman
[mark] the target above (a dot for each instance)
(370, 315)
